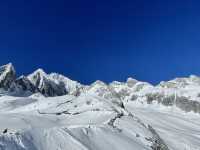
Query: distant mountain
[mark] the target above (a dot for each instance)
(7, 76)
(180, 92)
(24, 84)
(47, 84)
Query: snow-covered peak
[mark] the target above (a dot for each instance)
(54, 84)
(97, 87)
(6, 69)
(70, 85)
(7, 76)
(37, 77)
(131, 82)
(131, 79)
(98, 82)
(45, 84)
(39, 72)
(9, 66)
(183, 82)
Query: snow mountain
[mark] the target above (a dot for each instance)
(43, 111)
(47, 84)
(24, 84)
(7, 76)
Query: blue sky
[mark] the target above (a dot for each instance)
(102, 39)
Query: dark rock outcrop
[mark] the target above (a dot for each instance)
(45, 85)
(24, 84)
(7, 76)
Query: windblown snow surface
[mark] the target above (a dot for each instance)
(86, 122)
(90, 122)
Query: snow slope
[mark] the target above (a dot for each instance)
(51, 112)
(180, 130)
(68, 122)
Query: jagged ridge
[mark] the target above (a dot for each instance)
(180, 92)
(39, 81)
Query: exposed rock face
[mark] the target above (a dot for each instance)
(7, 76)
(24, 84)
(181, 102)
(45, 85)
(72, 87)
(49, 88)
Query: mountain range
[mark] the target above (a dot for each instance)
(43, 111)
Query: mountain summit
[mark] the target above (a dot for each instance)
(47, 84)
(7, 76)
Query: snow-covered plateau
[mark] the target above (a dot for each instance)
(44, 111)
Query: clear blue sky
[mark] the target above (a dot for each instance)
(86, 40)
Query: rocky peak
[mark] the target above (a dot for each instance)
(7, 76)
(70, 85)
(37, 77)
(45, 84)
(24, 84)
